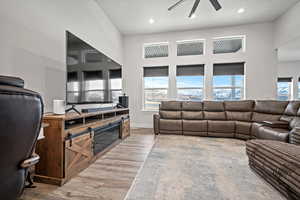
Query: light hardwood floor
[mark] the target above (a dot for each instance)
(109, 178)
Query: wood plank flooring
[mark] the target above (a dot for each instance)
(109, 178)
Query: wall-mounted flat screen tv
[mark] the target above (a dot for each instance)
(92, 77)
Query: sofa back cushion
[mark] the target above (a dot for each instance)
(239, 106)
(192, 110)
(170, 114)
(214, 110)
(270, 107)
(268, 110)
(171, 105)
(295, 122)
(239, 116)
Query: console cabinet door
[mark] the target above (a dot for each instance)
(78, 155)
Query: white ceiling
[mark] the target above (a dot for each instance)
(132, 16)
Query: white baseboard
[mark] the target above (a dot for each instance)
(141, 125)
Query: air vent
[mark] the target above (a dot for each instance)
(229, 45)
(190, 48)
(156, 50)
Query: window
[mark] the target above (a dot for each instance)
(284, 86)
(72, 87)
(156, 83)
(229, 45)
(115, 78)
(156, 50)
(190, 82)
(190, 48)
(93, 86)
(228, 81)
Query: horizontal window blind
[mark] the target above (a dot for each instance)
(92, 75)
(72, 77)
(115, 73)
(284, 79)
(190, 70)
(228, 69)
(156, 71)
(190, 48)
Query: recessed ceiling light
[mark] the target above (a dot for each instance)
(241, 10)
(193, 16)
(151, 21)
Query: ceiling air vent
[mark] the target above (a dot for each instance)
(190, 48)
(229, 45)
(156, 50)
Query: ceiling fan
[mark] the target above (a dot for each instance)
(215, 4)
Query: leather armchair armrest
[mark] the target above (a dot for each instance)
(276, 124)
(34, 159)
(156, 118)
(295, 136)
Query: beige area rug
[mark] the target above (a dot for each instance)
(197, 168)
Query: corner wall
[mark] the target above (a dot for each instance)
(33, 44)
(260, 58)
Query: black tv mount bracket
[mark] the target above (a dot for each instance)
(73, 107)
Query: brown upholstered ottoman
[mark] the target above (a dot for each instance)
(278, 163)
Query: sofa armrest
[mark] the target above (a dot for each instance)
(276, 124)
(295, 136)
(156, 118)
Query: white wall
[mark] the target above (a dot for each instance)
(287, 26)
(32, 39)
(290, 69)
(260, 58)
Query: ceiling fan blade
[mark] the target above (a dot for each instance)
(194, 8)
(176, 4)
(216, 4)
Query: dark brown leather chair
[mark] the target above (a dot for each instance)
(20, 121)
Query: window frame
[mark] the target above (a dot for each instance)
(155, 44)
(144, 109)
(243, 37)
(191, 41)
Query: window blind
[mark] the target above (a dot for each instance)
(156, 71)
(190, 70)
(92, 75)
(228, 69)
(228, 45)
(284, 79)
(72, 77)
(115, 73)
(156, 50)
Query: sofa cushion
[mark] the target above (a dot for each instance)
(192, 115)
(239, 116)
(240, 106)
(170, 114)
(213, 106)
(260, 117)
(270, 107)
(243, 128)
(192, 106)
(269, 133)
(221, 126)
(290, 111)
(194, 125)
(170, 125)
(214, 115)
(170, 105)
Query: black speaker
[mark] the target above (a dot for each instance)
(123, 101)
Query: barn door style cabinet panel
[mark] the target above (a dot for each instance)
(72, 142)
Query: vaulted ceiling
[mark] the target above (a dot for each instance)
(132, 16)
